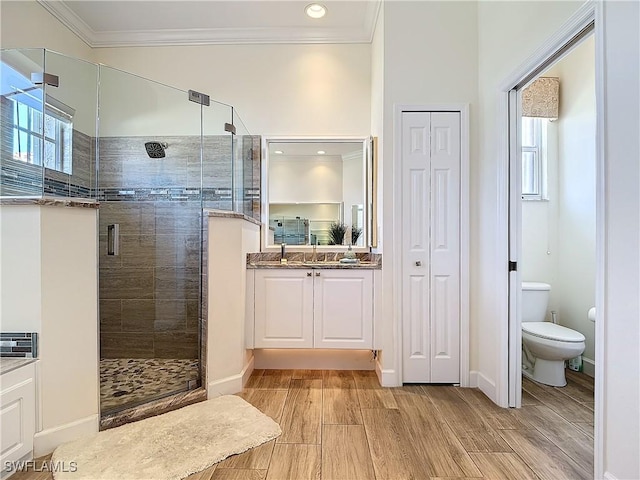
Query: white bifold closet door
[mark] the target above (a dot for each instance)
(431, 247)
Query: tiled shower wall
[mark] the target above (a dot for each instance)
(150, 293)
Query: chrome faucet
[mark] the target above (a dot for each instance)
(314, 255)
(282, 253)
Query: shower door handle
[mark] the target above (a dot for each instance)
(113, 239)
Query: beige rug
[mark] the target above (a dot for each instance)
(169, 446)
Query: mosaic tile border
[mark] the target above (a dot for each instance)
(172, 194)
(19, 344)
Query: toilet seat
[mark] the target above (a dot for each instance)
(552, 331)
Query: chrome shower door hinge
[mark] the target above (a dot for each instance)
(40, 78)
(201, 98)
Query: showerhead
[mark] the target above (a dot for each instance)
(155, 149)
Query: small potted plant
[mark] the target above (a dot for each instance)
(337, 230)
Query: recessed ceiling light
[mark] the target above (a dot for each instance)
(321, 152)
(279, 152)
(315, 10)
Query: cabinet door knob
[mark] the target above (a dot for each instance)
(317, 274)
(418, 263)
(308, 274)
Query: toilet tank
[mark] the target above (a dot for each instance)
(535, 299)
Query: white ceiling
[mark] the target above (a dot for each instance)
(185, 22)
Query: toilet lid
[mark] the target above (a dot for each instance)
(552, 331)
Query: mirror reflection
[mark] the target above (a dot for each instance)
(316, 192)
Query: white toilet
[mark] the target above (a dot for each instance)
(545, 345)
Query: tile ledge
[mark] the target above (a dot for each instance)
(229, 214)
(9, 364)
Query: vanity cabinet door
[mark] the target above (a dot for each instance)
(343, 306)
(18, 413)
(283, 308)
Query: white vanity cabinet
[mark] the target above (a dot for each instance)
(311, 308)
(17, 413)
(283, 308)
(343, 309)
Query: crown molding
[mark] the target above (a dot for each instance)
(371, 18)
(213, 36)
(69, 19)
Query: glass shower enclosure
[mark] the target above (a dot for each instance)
(150, 232)
(153, 159)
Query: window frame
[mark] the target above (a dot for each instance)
(539, 150)
(62, 144)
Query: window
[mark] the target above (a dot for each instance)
(534, 151)
(42, 141)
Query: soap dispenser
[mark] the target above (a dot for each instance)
(350, 254)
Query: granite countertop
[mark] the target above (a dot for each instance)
(51, 201)
(8, 364)
(314, 265)
(302, 260)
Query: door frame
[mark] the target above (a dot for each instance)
(463, 110)
(510, 331)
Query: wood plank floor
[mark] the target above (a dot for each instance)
(343, 425)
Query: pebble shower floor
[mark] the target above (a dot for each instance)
(125, 381)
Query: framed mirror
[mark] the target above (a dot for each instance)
(317, 191)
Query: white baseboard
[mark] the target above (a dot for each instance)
(46, 441)
(485, 385)
(232, 384)
(248, 370)
(589, 367)
(388, 377)
(225, 386)
(473, 379)
(609, 476)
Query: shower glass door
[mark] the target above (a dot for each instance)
(150, 232)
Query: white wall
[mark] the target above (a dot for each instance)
(305, 179)
(49, 273)
(508, 33)
(565, 224)
(229, 240)
(26, 24)
(577, 192)
(20, 265)
(306, 90)
(68, 367)
(377, 110)
(620, 330)
(78, 89)
(135, 106)
(319, 90)
(429, 57)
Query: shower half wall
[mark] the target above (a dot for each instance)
(152, 273)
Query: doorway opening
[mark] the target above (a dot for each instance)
(555, 232)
